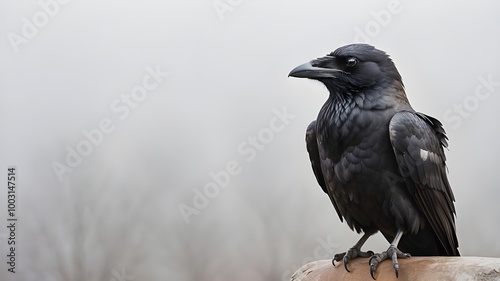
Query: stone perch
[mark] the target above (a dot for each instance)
(414, 268)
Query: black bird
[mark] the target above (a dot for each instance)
(381, 163)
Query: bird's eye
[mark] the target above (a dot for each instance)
(350, 62)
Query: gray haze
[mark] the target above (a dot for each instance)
(117, 214)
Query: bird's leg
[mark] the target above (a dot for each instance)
(393, 252)
(354, 252)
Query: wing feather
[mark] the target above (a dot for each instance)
(418, 141)
(312, 149)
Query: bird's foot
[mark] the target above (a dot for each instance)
(352, 253)
(393, 253)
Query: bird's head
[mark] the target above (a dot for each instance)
(350, 69)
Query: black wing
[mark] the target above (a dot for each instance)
(312, 148)
(418, 142)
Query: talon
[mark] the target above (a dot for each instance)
(346, 260)
(373, 266)
(370, 253)
(391, 253)
(353, 252)
(372, 271)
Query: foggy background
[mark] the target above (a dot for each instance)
(118, 214)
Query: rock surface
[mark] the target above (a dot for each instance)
(414, 268)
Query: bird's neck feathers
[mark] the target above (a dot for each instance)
(342, 108)
(377, 97)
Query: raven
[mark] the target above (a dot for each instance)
(381, 163)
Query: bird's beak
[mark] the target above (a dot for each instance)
(307, 70)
